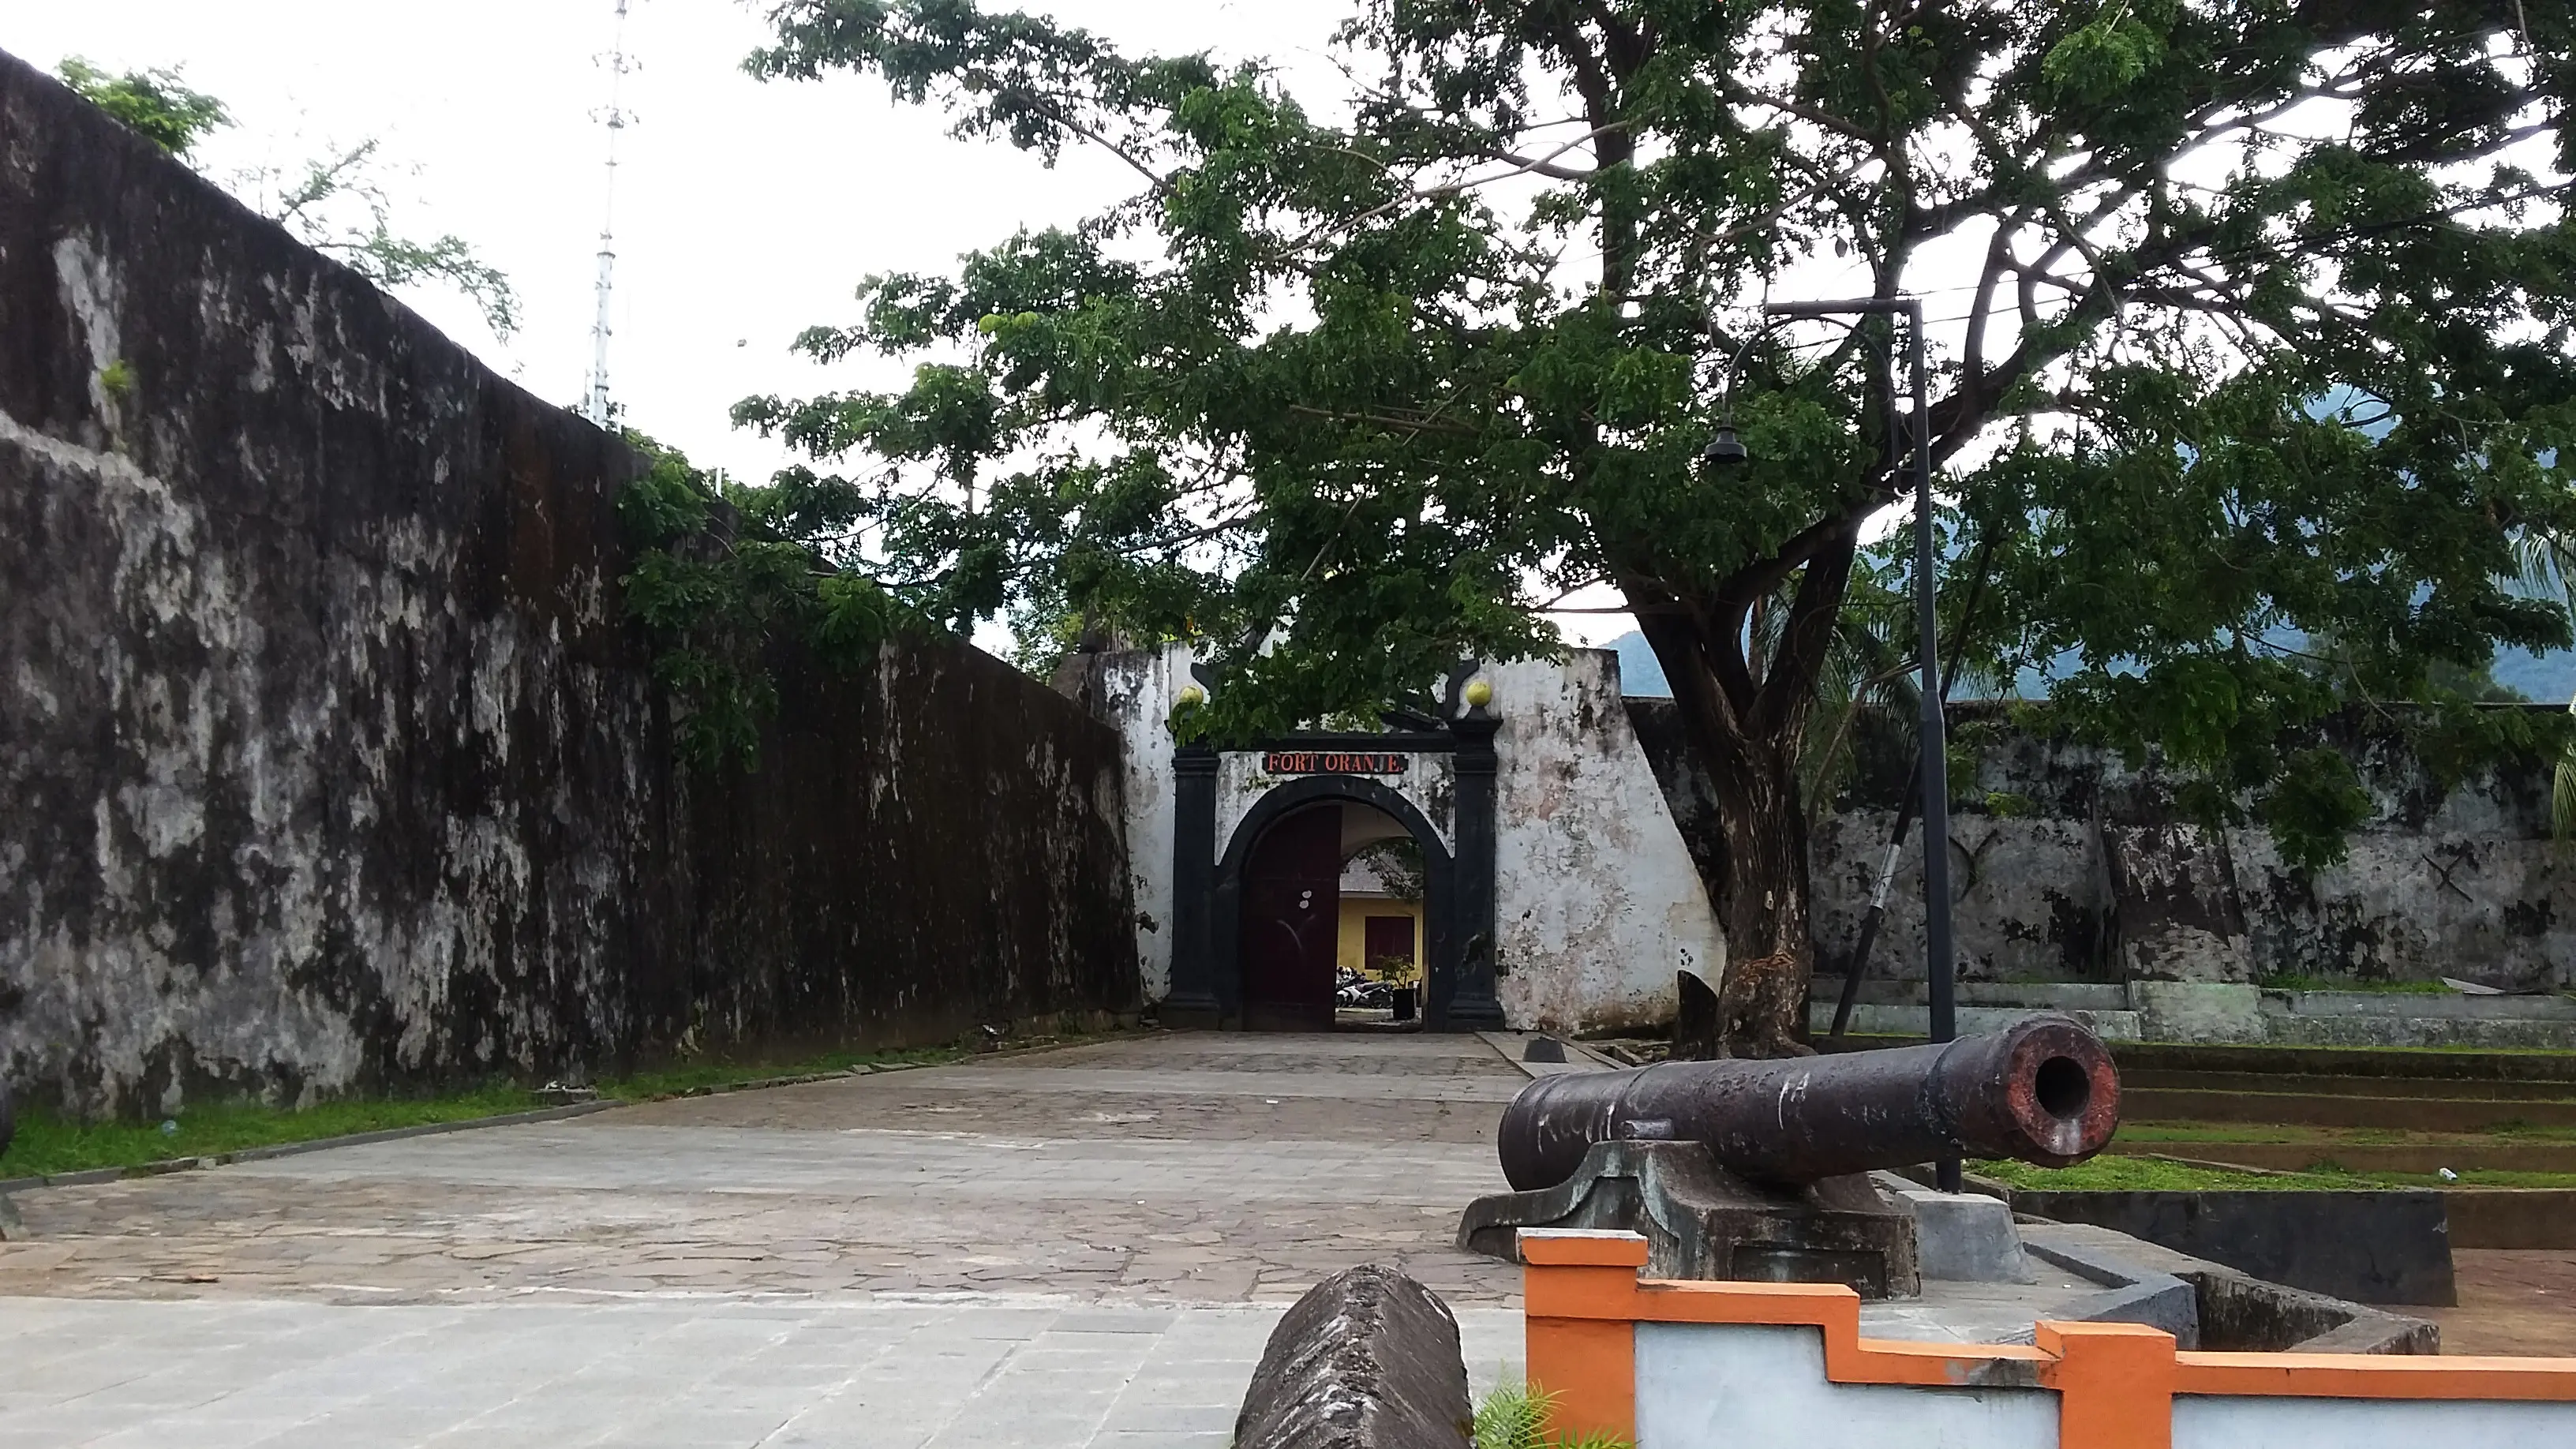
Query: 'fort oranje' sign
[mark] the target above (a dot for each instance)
(1334, 762)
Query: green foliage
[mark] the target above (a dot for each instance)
(335, 203)
(1398, 864)
(1514, 1416)
(154, 103)
(721, 589)
(117, 379)
(2313, 802)
(2252, 328)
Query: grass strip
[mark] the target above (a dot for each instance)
(49, 1144)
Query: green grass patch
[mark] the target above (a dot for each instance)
(47, 1143)
(2146, 1174)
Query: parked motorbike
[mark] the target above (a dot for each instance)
(1354, 989)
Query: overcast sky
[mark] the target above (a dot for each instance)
(745, 211)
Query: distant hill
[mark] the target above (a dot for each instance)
(1641, 674)
(2546, 678)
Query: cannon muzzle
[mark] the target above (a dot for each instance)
(2042, 1091)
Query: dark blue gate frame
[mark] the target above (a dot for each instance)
(1458, 924)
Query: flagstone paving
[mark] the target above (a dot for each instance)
(1084, 1246)
(1077, 1247)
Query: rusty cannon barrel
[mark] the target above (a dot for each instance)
(2042, 1091)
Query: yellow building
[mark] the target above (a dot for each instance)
(1377, 923)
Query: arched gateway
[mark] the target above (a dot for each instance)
(1263, 932)
(1554, 888)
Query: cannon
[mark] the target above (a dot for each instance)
(1759, 1169)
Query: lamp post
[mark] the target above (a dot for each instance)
(1726, 449)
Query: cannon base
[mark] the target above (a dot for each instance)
(1703, 1222)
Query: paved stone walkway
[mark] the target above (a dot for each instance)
(1078, 1247)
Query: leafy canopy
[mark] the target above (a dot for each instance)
(2251, 328)
(156, 103)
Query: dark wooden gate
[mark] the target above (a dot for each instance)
(1292, 914)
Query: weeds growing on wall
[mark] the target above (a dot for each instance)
(726, 578)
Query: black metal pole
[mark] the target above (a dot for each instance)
(1935, 751)
(1858, 963)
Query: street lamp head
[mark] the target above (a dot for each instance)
(1725, 450)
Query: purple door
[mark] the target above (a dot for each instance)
(1292, 919)
(1387, 940)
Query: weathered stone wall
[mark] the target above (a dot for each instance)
(2070, 866)
(330, 761)
(1596, 902)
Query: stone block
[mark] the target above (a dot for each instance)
(1368, 1359)
(2199, 1011)
(1965, 1237)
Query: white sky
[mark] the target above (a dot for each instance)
(745, 211)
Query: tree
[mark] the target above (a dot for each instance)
(335, 203)
(2254, 327)
(156, 103)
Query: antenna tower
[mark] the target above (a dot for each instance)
(614, 117)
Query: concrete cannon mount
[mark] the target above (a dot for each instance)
(1701, 1221)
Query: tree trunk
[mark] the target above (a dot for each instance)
(1747, 731)
(1761, 898)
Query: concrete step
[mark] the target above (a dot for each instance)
(2313, 1084)
(1916, 1021)
(2407, 1073)
(2222, 1013)
(2406, 1114)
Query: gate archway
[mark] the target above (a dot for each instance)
(1278, 808)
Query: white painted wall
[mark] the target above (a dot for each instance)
(1597, 903)
(1712, 1386)
(2231, 1422)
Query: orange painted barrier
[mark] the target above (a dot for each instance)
(2116, 1384)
